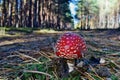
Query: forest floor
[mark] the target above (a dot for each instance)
(26, 48)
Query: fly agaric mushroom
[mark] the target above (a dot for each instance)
(70, 46)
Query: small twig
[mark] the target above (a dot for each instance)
(85, 74)
(44, 54)
(38, 72)
(117, 54)
(95, 72)
(23, 55)
(115, 64)
(98, 76)
(21, 75)
(55, 75)
(13, 56)
(23, 50)
(89, 76)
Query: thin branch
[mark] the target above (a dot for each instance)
(23, 55)
(55, 75)
(38, 72)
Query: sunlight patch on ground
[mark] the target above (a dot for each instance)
(45, 31)
(5, 34)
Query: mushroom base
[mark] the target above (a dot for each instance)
(61, 67)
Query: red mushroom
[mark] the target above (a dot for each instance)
(70, 46)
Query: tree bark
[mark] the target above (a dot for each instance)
(16, 14)
(4, 14)
(20, 14)
(38, 13)
(58, 16)
(30, 14)
(10, 13)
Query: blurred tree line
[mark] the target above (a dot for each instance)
(53, 14)
(98, 14)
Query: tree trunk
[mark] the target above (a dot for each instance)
(88, 20)
(47, 14)
(35, 14)
(16, 14)
(106, 22)
(42, 14)
(38, 13)
(30, 14)
(119, 16)
(4, 14)
(58, 16)
(50, 14)
(20, 14)
(25, 14)
(10, 13)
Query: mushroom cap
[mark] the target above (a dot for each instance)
(70, 46)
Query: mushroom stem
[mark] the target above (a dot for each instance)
(65, 67)
(62, 68)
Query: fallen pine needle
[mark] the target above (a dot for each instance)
(89, 77)
(95, 73)
(23, 55)
(38, 72)
(117, 54)
(55, 75)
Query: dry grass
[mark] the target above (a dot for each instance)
(30, 63)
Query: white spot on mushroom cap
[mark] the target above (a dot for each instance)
(68, 42)
(66, 47)
(67, 38)
(80, 44)
(58, 43)
(83, 46)
(68, 50)
(72, 41)
(77, 48)
(57, 48)
(75, 51)
(62, 49)
(71, 37)
(72, 48)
